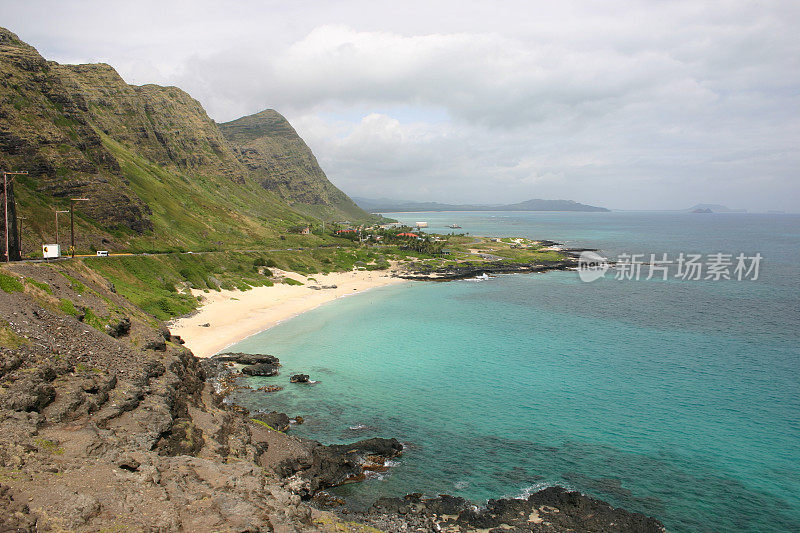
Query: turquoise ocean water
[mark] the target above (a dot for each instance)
(679, 399)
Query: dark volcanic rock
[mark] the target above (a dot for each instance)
(471, 270)
(275, 420)
(299, 378)
(554, 509)
(119, 328)
(26, 396)
(328, 466)
(247, 358)
(158, 344)
(261, 369)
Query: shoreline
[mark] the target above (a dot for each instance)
(230, 316)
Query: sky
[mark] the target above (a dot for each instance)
(627, 105)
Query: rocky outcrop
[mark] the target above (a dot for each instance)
(254, 364)
(96, 431)
(299, 378)
(247, 358)
(261, 369)
(551, 510)
(321, 466)
(274, 419)
(119, 328)
(423, 272)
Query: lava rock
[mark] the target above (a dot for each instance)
(276, 420)
(119, 328)
(299, 378)
(158, 344)
(261, 369)
(247, 358)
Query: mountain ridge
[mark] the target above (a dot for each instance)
(385, 205)
(264, 142)
(157, 170)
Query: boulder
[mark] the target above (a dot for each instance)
(158, 344)
(299, 378)
(261, 369)
(120, 328)
(275, 420)
(247, 358)
(327, 466)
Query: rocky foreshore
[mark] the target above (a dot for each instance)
(312, 465)
(473, 270)
(553, 509)
(469, 269)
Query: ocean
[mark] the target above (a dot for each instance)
(677, 398)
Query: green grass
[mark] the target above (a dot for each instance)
(76, 285)
(9, 339)
(158, 284)
(201, 212)
(68, 307)
(518, 255)
(40, 285)
(10, 283)
(152, 282)
(49, 446)
(93, 320)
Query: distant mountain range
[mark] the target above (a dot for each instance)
(386, 205)
(713, 208)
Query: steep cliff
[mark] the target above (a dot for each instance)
(158, 172)
(282, 162)
(45, 131)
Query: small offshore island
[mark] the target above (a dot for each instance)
(108, 420)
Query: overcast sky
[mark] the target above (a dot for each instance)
(628, 105)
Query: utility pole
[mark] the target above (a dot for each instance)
(72, 223)
(5, 198)
(57, 234)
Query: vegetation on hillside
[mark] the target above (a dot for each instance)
(157, 171)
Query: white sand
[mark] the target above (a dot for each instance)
(235, 315)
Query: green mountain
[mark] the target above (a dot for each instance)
(282, 163)
(158, 172)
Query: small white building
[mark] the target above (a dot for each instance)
(51, 251)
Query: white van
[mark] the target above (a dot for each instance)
(102, 253)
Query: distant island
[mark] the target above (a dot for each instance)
(713, 208)
(384, 205)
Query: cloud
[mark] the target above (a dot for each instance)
(624, 104)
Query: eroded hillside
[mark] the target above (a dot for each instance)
(158, 172)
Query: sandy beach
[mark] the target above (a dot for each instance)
(228, 316)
